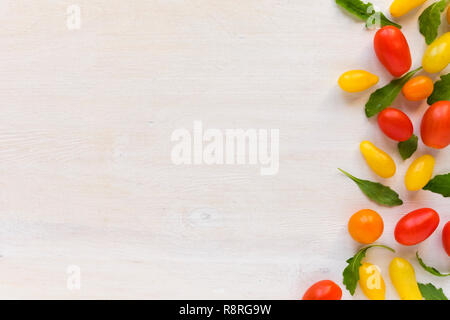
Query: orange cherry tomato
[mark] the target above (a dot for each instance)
(418, 88)
(323, 290)
(365, 226)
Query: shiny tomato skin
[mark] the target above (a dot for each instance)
(323, 290)
(392, 50)
(435, 127)
(365, 226)
(395, 124)
(446, 238)
(418, 88)
(416, 226)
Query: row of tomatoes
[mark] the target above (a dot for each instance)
(417, 176)
(372, 284)
(396, 124)
(366, 226)
(392, 50)
(434, 129)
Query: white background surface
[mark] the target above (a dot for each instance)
(85, 147)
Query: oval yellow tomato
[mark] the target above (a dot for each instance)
(403, 278)
(437, 55)
(419, 173)
(371, 282)
(357, 80)
(378, 160)
(400, 7)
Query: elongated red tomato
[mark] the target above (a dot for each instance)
(416, 226)
(435, 127)
(392, 50)
(446, 238)
(323, 290)
(395, 124)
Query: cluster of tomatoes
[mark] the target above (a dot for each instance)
(393, 52)
(366, 226)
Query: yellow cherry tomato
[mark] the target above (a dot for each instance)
(378, 160)
(400, 7)
(357, 80)
(419, 173)
(403, 278)
(371, 282)
(418, 88)
(437, 55)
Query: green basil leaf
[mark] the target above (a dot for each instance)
(383, 97)
(351, 272)
(408, 147)
(441, 90)
(429, 269)
(430, 292)
(376, 191)
(439, 184)
(430, 20)
(366, 12)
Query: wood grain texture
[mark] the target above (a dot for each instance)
(85, 146)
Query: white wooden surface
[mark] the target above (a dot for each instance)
(85, 146)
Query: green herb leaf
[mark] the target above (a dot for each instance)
(376, 191)
(383, 97)
(366, 12)
(351, 272)
(430, 292)
(441, 90)
(439, 184)
(430, 20)
(429, 269)
(408, 147)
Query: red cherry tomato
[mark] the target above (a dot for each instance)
(395, 124)
(435, 127)
(392, 50)
(416, 226)
(446, 237)
(323, 290)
